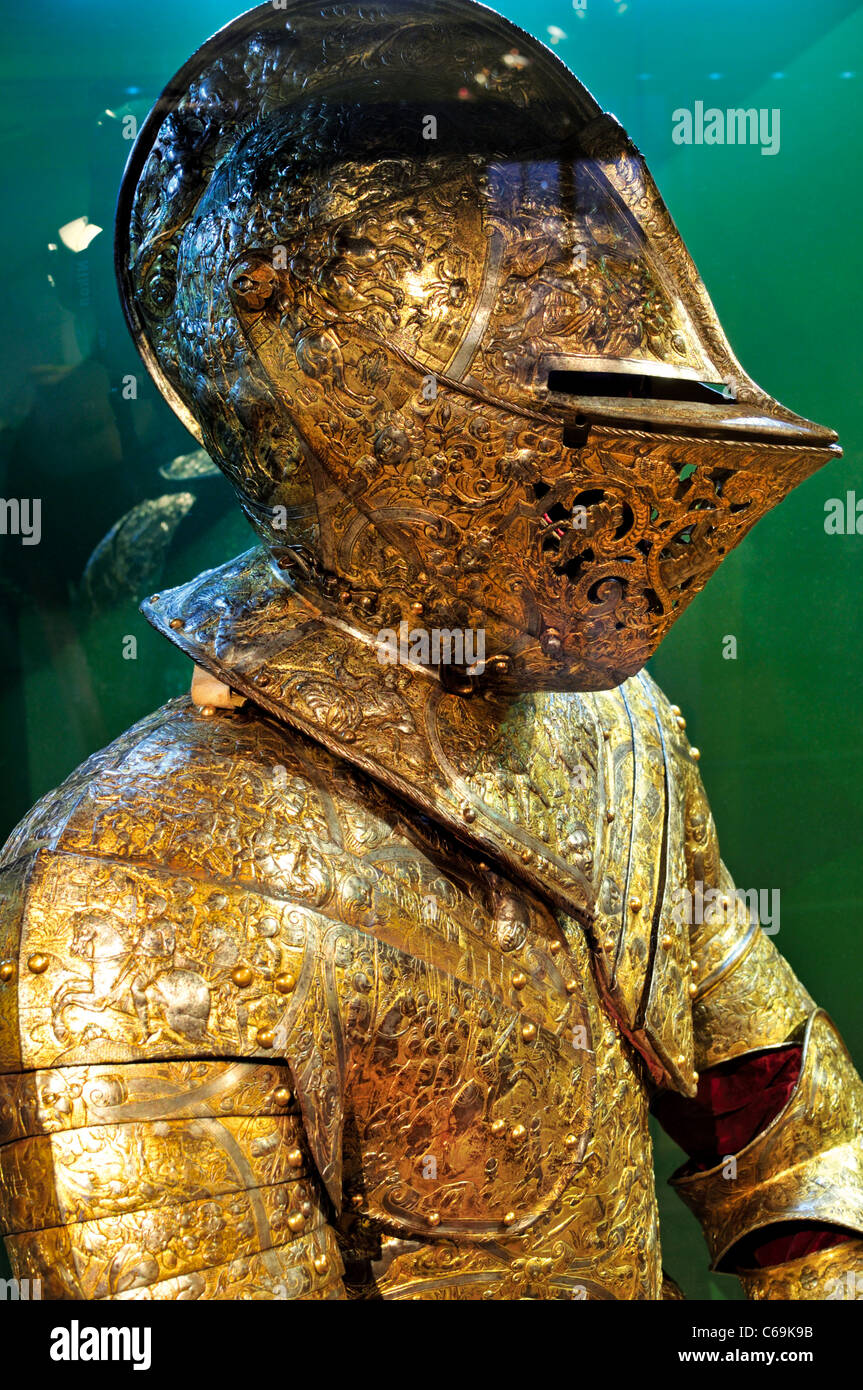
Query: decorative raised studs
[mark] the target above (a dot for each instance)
(295, 1158)
(519, 981)
(675, 709)
(667, 941)
(7, 971)
(467, 812)
(681, 722)
(509, 1218)
(433, 1218)
(282, 1096)
(693, 990)
(517, 1133)
(206, 711)
(635, 904)
(498, 1126)
(570, 1141)
(609, 815)
(528, 1031)
(242, 975)
(681, 1058)
(38, 963)
(285, 982)
(296, 1221)
(570, 986)
(265, 1037)
(695, 1078)
(554, 947)
(321, 1264)
(695, 754)
(177, 624)
(526, 856)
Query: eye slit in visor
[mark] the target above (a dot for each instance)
(635, 386)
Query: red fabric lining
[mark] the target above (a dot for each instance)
(736, 1100)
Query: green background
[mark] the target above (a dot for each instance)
(777, 241)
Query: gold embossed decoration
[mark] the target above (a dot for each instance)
(468, 365)
(349, 978)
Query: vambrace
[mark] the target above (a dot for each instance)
(162, 1180)
(803, 1166)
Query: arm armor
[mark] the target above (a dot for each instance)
(802, 1161)
(162, 1180)
(806, 1165)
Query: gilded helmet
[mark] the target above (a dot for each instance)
(418, 296)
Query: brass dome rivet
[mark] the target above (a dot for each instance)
(695, 1078)
(526, 856)
(693, 966)
(357, 1201)
(321, 1264)
(282, 1096)
(609, 815)
(695, 754)
(206, 711)
(295, 1158)
(517, 1132)
(467, 812)
(242, 975)
(417, 609)
(675, 709)
(296, 1221)
(570, 986)
(693, 990)
(528, 1032)
(433, 1218)
(509, 1218)
(519, 981)
(635, 904)
(681, 1059)
(176, 624)
(498, 1126)
(285, 982)
(265, 1037)
(554, 947)
(667, 941)
(681, 722)
(38, 963)
(570, 1141)
(606, 734)
(7, 971)
(154, 598)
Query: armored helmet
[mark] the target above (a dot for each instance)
(420, 299)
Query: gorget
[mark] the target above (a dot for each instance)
(577, 795)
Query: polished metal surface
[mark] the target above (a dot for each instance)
(353, 979)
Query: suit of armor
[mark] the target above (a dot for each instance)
(358, 977)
